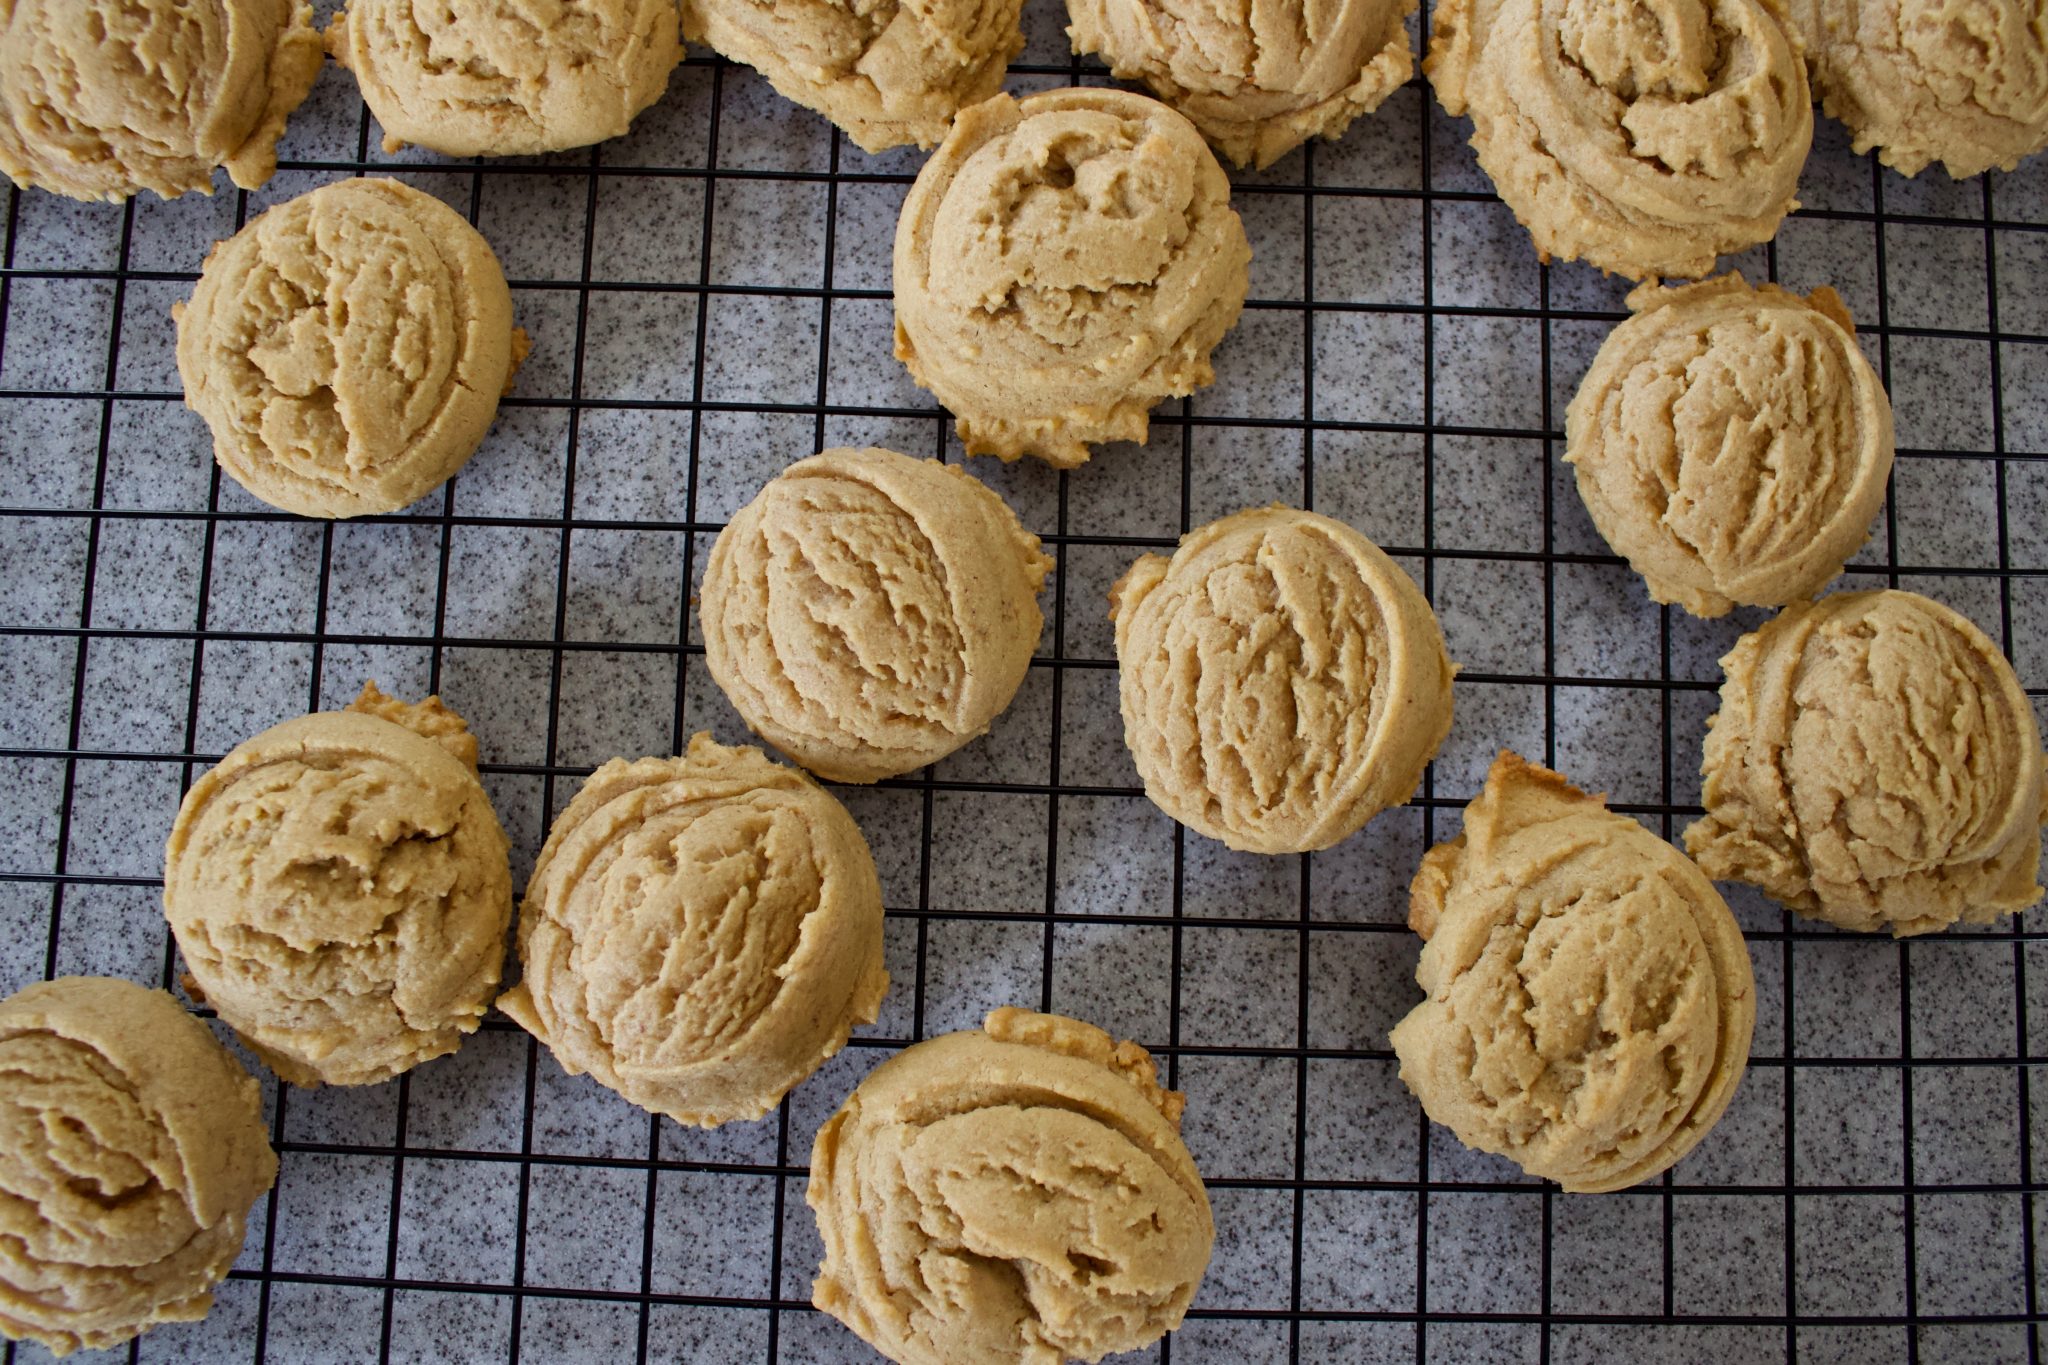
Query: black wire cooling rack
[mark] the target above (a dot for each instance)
(1872, 1197)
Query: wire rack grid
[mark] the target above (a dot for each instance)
(709, 300)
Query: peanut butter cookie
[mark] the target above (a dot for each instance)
(1282, 680)
(700, 933)
(1257, 80)
(506, 77)
(1876, 764)
(890, 74)
(868, 613)
(1645, 138)
(348, 348)
(100, 99)
(1589, 997)
(1063, 263)
(1732, 443)
(1962, 82)
(339, 888)
(1017, 1194)
(131, 1147)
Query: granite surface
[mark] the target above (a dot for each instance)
(708, 302)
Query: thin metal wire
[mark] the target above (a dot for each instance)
(572, 530)
(1428, 793)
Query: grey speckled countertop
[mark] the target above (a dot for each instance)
(1873, 1187)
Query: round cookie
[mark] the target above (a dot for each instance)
(1260, 80)
(889, 74)
(1589, 1001)
(1282, 680)
(1063, 263)
(348, 348)
(503, 77)
(100, 99)
(868, 613)
(1732, 443)
(339, 888)
(700, 933)
(1646, 139)
(1962, 82)
(1017, 1194)
(1875, 764)
(131, 1148)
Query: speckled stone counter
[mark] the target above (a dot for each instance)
(708, 300)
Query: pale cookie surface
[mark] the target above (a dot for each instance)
(1589, 996)
(700, 933)
(131, 1147)
(1962, 82)
(1018, 1194)
(1875, 764)
(506, 77)
(868, 613)
(889, 72)
(1063, 263)
(1732, 443)
(1282, 680)
(102, 98)
(1258, 80)
(340, 890)
(348, 348)
(1645, 138)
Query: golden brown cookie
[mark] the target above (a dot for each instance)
(1282, 680)
(1647, 138)
(1257, 80)
(339, 888)
(868, 613)
(1875, 764)
(102, 98)
(131, 1147)
(348, 348)
(1017, 1194)
(1063, 263)
(1589, 998)
(700, 933)
(1732, 443)
(1962, 82)
(890, 74)
(506, 77)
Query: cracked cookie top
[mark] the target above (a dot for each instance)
(131, 1147)
(348, 348)
(1063, 263)
(1646, 138)
(891, 73)
(102, 98)
(1732, 443)
(1589, 1000)
(506, 77)
(339, 888)
(1876, 764)
(700, 933)
(1018, 1193)
(868, 613)
(1282, 680)
(1258, 80)
(1962, 82)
